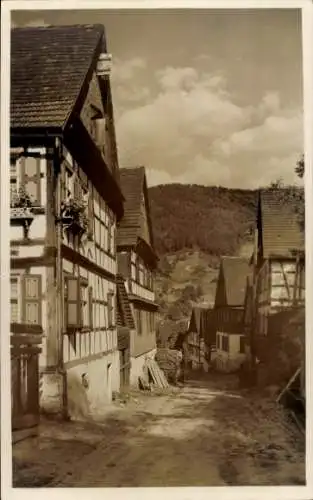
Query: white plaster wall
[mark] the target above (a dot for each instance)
(229, 361)
(102, 376)
(28, 251)
(142, 292)
(137, 364)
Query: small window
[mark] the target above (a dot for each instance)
(242, 345)
(138, 321)
(14, 299)
(225, 343)
(137, 269)
(111, 309)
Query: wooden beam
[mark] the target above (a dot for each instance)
(76, 258)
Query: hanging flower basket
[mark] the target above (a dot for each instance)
(73, 215)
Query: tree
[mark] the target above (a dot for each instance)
(293, 195)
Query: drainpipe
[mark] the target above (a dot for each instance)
(59, 287)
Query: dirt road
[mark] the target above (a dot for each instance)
(200, 436)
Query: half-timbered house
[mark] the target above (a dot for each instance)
(279, 265)
(229, 309)
(137, 262)
(125, 330)
(65, 204)
(200, 338)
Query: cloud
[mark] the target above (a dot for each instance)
(30, 24)
(35, 23)
(126, 84)
(193, 131)
(125, 70)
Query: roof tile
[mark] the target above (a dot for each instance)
(281, 231)
(48, 68)
(132, 182)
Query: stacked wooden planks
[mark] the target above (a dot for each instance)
(157, 375)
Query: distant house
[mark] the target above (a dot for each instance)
(137, 262)
(200, 338)
(229, 309)
(65, 204)
(125, 330)
(279, 262)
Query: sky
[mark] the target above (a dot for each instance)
(210, 97)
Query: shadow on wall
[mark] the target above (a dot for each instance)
(78, 404)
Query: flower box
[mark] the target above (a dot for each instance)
(73, 216)
(21, 216)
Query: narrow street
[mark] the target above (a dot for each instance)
(198, 435)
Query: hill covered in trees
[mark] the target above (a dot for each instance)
(214, 220)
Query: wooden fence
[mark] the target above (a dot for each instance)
(25, 350)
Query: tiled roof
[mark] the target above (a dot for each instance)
(124, 313)
(49, 66)
(281, 231)
(202, 319)
(132, 186)
(235, 271)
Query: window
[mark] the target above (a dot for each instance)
(86, 305)
(137, 269)
(31, 178)
(13, 180)
(90, 212)
(109, 240)
(26, 299)
(151, 322)
(225, 343)
(242, 344)
(31, 299)
(14, 299)
(78, 303)
(138, 321)
(111, 309)
(68, 183)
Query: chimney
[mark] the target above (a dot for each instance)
(104, 65)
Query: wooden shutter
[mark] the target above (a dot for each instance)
(30, 173)
(109, 235)
(31, 310)
(90, 212)
(110, 308)
(99, 127)
(73, 302)
(90, 307)
(77, 189)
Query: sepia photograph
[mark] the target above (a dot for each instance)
(157, 248)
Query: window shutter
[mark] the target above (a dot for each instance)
(32, 300)
(100, 126)
(107, 146)
(77, 190)
(90, 212)
(109, 235)
(30, 174)
(73, 302)
(90, 306)
(110, 308)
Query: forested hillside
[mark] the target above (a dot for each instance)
(215, 220)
